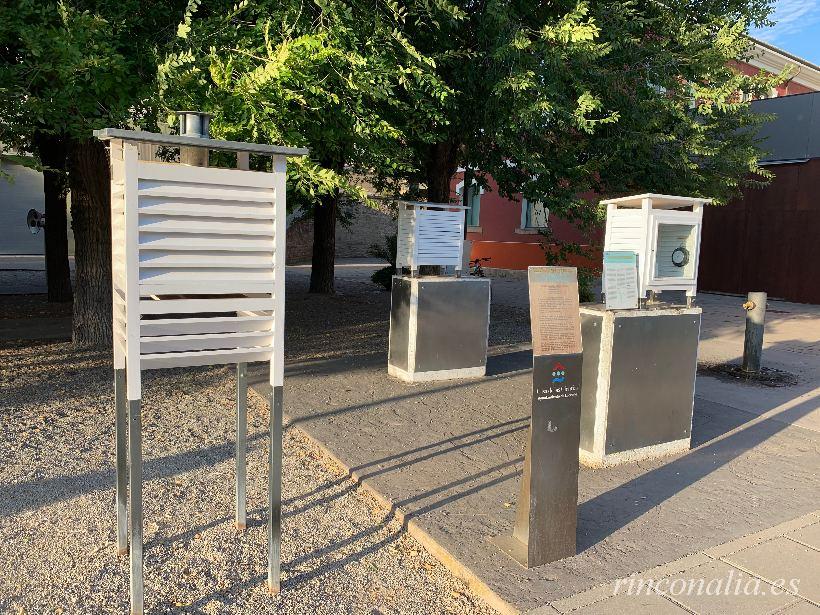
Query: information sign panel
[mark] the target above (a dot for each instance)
(621, 280)
(546, 517)
(554, 316)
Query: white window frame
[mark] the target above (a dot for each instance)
(472, 218)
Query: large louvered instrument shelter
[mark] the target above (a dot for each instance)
(198, 272)
(430, 234)
(664, 231)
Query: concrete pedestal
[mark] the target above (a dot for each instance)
(438, 328)
(638, 383)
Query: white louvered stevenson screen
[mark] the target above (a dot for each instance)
(664, 232)
(430, 234)
(202, 265)
(439, 237)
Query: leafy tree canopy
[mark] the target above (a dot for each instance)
(338, 77)
(558, 100)
(67, 68)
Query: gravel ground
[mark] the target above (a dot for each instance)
(342, 553)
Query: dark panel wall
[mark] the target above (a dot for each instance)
(769, 240)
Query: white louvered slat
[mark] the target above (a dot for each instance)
(206, 357)
(217, 324)
(209, 341)
(209, 242)
(206, 177)
(206, 258)
(228, 287)
(206, 208)
(201, 225)
(193, 191)
(193, 274)
(214, 305)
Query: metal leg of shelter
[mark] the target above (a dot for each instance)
(275, 490)
(241, 443)
(121, 406)
(135, 518)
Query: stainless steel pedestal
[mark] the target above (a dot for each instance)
(438, 328)
(638, 382)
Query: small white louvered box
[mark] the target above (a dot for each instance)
(664, 231)
(430, 234)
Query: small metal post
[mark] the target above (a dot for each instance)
(690, 300)
(194, 124)
(275, 490)
(241, 443)
(122, 460)
(755, 308)
(135, 518)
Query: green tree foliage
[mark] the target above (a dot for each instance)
(337, 77)
(67, 68)
(386, 251)
(555, 100)
(564, 100)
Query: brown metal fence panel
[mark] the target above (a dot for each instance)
(767, 241)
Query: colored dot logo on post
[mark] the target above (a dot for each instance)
(559, 373)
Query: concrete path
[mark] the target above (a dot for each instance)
(25, 275)
(446, 457)
(791, 343)
(776, 570)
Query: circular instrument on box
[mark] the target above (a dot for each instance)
(680, 256)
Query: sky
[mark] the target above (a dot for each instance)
(797, 30)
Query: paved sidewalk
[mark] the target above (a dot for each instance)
(25, 274)
(776, 570)
(445, 457)
(791, 343)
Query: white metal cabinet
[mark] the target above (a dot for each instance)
(664, 231)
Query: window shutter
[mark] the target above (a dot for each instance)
(539, 215)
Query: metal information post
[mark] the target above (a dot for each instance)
(198, 275)
(546, 516)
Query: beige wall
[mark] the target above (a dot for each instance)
(367, 227)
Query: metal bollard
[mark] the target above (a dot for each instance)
(755, 307)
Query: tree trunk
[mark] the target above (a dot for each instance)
(442, 161)
(52, 152)
(324, 245)
(91, 221)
